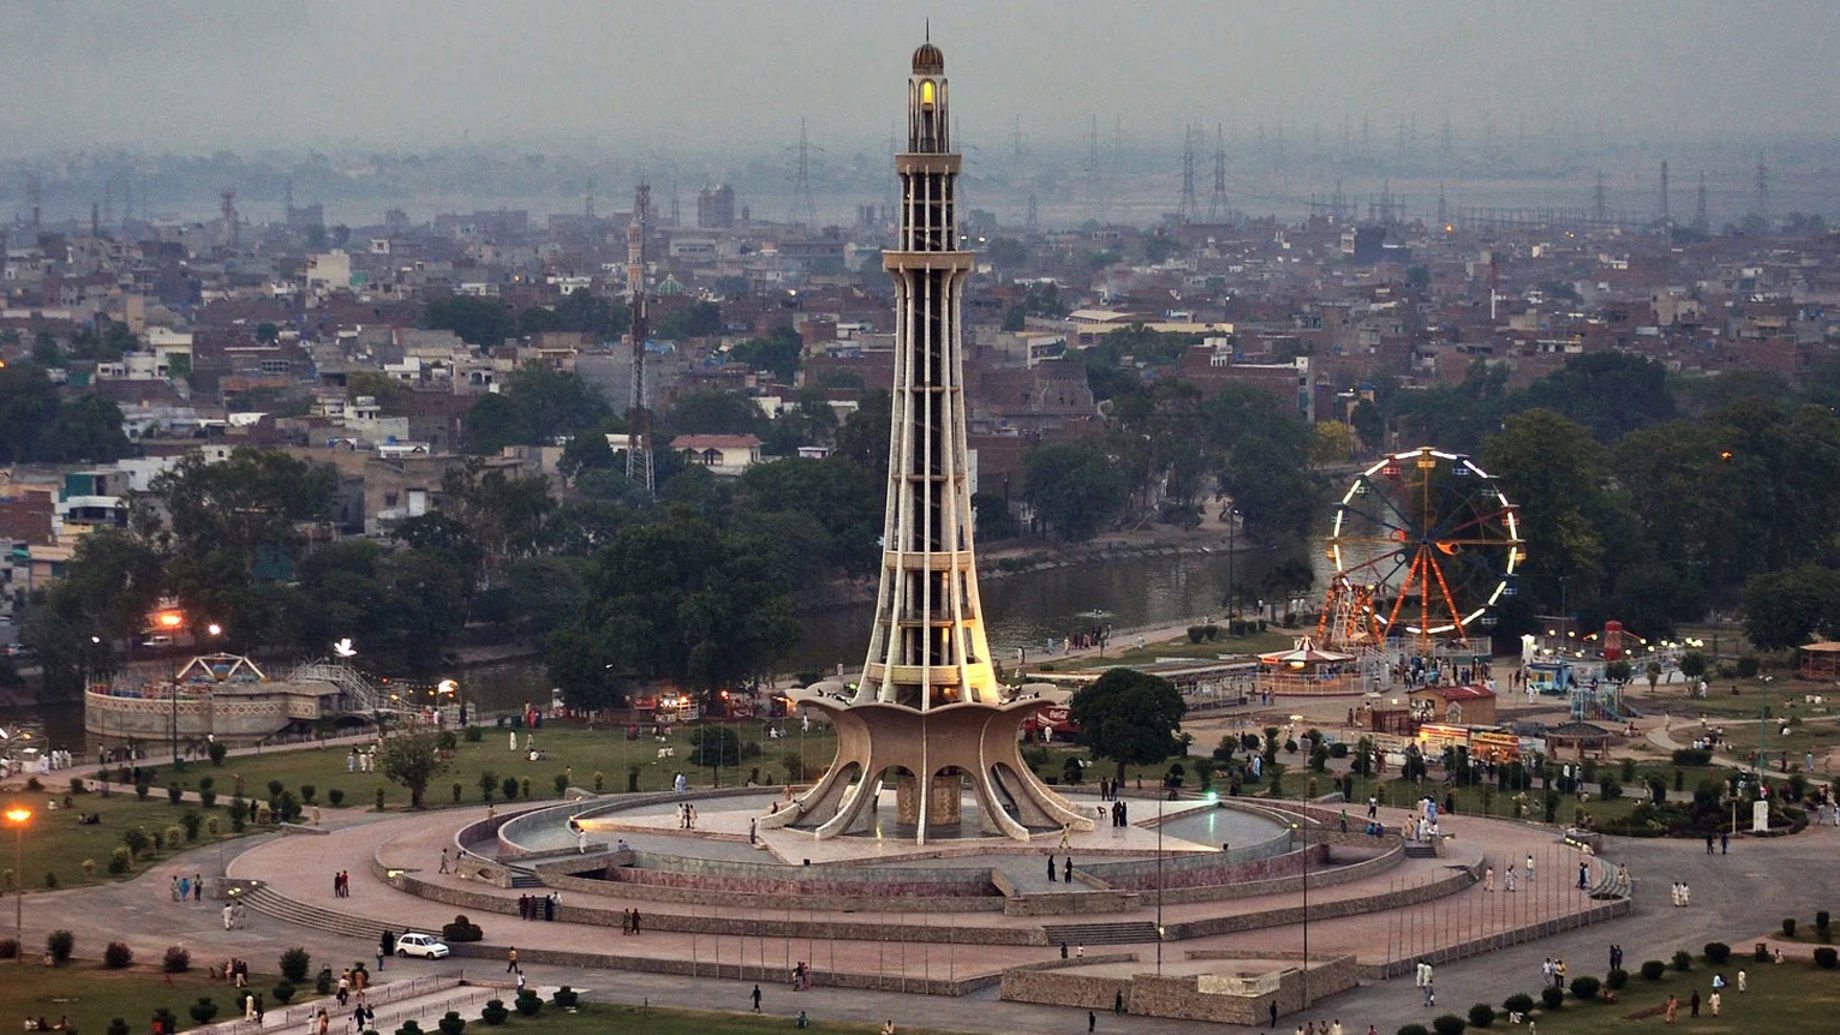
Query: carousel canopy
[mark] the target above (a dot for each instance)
(1304, 653)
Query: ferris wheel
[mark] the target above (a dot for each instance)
(1424, 543)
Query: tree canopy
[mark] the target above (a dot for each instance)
(1130, 717)
(537, 405)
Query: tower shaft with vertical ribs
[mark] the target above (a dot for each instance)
(927, 712)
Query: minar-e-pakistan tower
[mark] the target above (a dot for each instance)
(926, 714)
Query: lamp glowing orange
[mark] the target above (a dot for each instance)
(169, 619)
(18, 814)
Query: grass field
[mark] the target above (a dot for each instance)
(91, 996)
(1793, 997)
(571, 750)
(54, 843)
(1123, 650)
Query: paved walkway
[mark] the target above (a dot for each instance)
(1736, 898)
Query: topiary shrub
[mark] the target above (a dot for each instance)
(1788, 927)
(1553, 998)
(118, 1026)
(59, 944)
(1586, 987)
(1826, 956)
(461, 930)
(175, 793)
(282, 993)
(1761, 953)
(174, 837)
(1652, 970)
(117, 956)
(1519, 1002)
(1683, 960)
(566, 997)
(9, 949)
(528, 1002)
(474, 735)
(1482, 1015)
(178, 960)
(509, 788)
(1616, 979)
(294, 963)
(322, 982)
(1822, 921)
(163, 1020)
(1717, 952)
(451, 1024)
(1414, 1029)
(494, 1012)
(409, 1028)
(335, 796)
(1449, 1024)
(120, 860)
(203, 1010)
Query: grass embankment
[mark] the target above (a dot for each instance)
(91, 996)
(569, 750)
(598, 1018)
(1795, 996)
(56, 844)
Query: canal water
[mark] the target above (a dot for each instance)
(1021, 610)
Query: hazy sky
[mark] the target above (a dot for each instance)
(701, 74)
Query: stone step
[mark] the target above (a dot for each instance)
(268, 902)
(1418, 850)
(1129, 932)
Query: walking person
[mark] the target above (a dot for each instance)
(1488, 878)
(1530, 867)
(511, 960)
(1067, 870)
(1050, 869)
(444, 860)
(756, 997)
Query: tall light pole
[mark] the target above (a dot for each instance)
(171, 621)
(18, 816)
(1159, 885)
(1304, 840)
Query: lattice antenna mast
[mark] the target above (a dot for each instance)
(1190, 207)
(1700, 220)
(804, 205)
(35, 197)
(231, 234)
(1218, 211)
(1095, 176)
(1664, 198)
(639, 418)
(1600, 198)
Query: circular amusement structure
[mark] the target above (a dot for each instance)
(1424, 544)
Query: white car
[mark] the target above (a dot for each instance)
(426, 946)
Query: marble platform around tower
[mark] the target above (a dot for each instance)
(722, 831)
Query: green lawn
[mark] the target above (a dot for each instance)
(1788, 998)
(55, 843)
(1123, 651)
(91, 996)
(586, 752)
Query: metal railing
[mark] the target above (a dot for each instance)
(377, 995)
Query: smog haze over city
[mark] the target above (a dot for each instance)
(1297, 95)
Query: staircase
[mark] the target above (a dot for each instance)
(1421, 850)
(1130, 932)
(521, 878)
(264, 900)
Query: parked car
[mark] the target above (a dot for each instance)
(426, 946)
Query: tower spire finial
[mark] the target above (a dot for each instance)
(929, 30)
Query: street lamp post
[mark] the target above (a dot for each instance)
(1159, 885)
(18, 815)
(1304, 840)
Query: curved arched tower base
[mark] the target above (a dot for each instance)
(934, 753)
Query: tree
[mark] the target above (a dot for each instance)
(779, 352)
(537, 406)
(247, 503)
(1369, 425)
(413, 760)
(1611, 393)
(862, 440)
(1130, 717)
(88, 430)
(1075, 489)
(478, 321)
(715, 747)
(1782, 608)
(715, 412)
(701, 320)
(28, 409)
